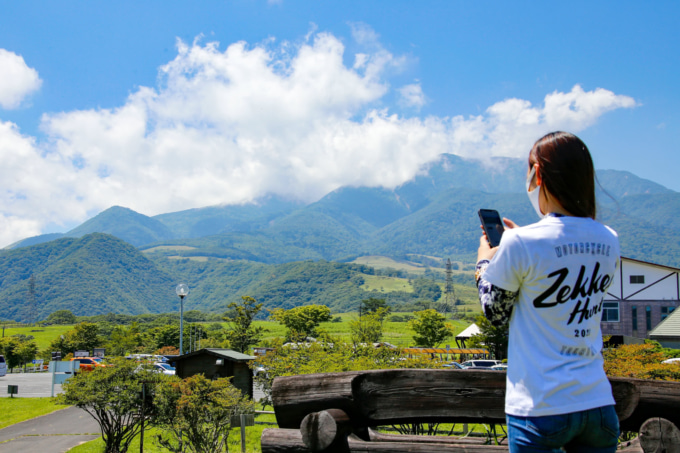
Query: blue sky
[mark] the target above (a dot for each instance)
(167, 105)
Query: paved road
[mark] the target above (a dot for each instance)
(31, 385)
(52, 433)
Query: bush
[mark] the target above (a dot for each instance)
(640, 361)
(199, 409)
(112, 395)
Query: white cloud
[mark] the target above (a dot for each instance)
(510, 127)
(412, 95)
(17, 80)
(230, 126)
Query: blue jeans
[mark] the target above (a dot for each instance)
(594, 430)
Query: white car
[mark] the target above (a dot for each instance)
(3, 366)
(164, 368)
(675, 360)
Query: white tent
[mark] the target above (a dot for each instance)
(472, 329)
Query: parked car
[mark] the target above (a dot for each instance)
(3, 366)
(454, 366)
(165, 368)
(481, 363)
(502, 367)
(89, 363)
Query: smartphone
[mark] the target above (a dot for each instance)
(492, 224)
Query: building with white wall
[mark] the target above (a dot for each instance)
(640, 297)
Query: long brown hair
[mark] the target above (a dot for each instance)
(566, 168)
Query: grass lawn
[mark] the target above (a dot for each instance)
(253, 435)
(386, 284)
(15, 410)
(43, 335)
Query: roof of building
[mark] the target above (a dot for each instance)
(649, 263)
(472, 329)
(669, 327)
(225, 353)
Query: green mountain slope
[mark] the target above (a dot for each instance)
(94, 274)
(449, 225)
(126, 224)
(213, 220)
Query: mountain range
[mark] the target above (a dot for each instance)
(428, 219)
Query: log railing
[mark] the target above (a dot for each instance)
(336, 412)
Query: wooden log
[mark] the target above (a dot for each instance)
(387, 397)
(396, 396)
(627, 396)
(282, 441)
(321, 430)
(659, 435)
(357, 445)
(656, 399)
(406, 438)
(294, 397)
(290, 441)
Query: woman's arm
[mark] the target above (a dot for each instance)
(496, 302)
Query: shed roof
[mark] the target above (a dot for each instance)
(230, 354)
(669, 327)
(472, 329)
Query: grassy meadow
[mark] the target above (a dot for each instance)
(397, 333)
(43, 335)
(15, 410)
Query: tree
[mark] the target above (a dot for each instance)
(431, 328)
(125, 340)
(198, 412)
(242, 334)
(26, 351)
(8, 348)
(18, 350)
(61, 317)
(372, 305)
(426, 289)
(368, 328)
(167, 335)
(83, 337)
(495, 339)
(112, 395)
(302, 321)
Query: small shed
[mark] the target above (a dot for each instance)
(667, 333)
(218, 363)
(461, 338)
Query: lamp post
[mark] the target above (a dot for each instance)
(182, 291)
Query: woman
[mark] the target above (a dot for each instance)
(548, 281)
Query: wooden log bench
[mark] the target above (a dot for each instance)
(339, 412)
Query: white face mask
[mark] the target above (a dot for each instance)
(533, 194)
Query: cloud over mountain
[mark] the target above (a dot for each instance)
(228, 126)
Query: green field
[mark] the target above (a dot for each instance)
(383, 262)
(386, 284)
(397, 333)
(43, 335)
(165, 248)
(15, 410)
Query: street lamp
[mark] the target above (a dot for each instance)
(182, 291)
